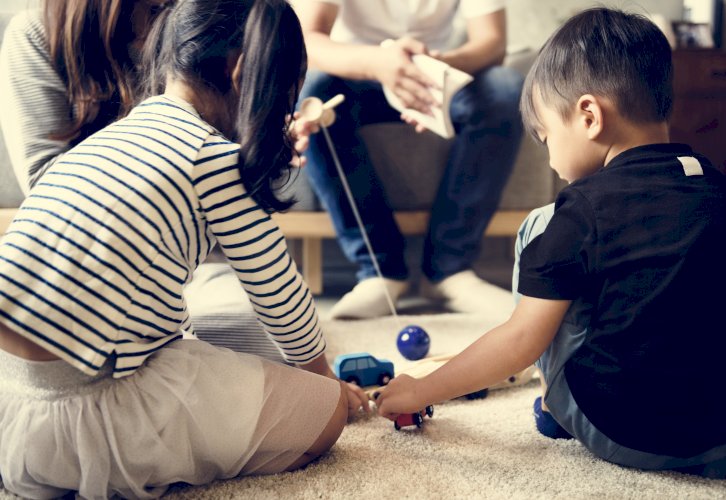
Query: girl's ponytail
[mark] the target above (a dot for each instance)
(194, 43)
(154, 61)
(274, 67)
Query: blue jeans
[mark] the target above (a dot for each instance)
(562, 404)
(486, 117)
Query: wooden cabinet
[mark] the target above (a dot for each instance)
(699, 107)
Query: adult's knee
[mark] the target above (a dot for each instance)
(491, 100)
(502, 84)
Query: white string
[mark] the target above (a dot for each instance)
(358, 219)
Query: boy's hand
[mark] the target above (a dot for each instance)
(403, 394)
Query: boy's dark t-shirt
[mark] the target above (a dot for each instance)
(643, 241)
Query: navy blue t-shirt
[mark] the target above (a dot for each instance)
(643, 241)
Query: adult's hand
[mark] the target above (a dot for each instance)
(396, 70)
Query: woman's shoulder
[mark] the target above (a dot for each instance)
(26, 24)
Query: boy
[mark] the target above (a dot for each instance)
(613, 290)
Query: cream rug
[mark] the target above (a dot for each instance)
(485, 448)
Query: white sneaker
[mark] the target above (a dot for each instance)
(368, 299)
(468, 293)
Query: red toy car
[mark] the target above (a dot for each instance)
(408, 419)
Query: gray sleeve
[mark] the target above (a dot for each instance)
(35, 103)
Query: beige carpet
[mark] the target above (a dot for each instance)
(470, 449)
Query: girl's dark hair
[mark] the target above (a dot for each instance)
(605, 52)
(194, 43)
(89, 47)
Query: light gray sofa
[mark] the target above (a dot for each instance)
(394, 148)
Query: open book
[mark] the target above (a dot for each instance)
(449, 79)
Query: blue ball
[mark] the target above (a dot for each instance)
(413, 342)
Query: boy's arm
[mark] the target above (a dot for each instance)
(503, 351)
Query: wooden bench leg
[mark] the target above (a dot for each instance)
(312, 264)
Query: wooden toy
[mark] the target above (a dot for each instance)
(428, 365)
(422, 368)
(322, 113)
(363, 369)
(406, 419)
(409, 419)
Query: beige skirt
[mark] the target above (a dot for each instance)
(193, 413)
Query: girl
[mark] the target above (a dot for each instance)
(55, 99)
(92, 269)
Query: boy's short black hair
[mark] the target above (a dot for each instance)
(608, 53)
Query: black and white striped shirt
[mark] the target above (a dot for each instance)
(94, 264)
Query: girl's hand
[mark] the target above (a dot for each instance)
(403, 394)
(300, 131)
(357, 400)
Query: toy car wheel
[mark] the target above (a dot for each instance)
(417, 419)
(384, 378)
(396, 426)
(478, 394)
(353, 380)
(430, 411)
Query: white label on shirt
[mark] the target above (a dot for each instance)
(691, 166)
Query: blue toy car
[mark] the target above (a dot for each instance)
(363, 369)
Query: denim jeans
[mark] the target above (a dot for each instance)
(486, 117)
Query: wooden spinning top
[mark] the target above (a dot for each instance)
(314, 110)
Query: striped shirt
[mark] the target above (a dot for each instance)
(94, 264)
(35, 103)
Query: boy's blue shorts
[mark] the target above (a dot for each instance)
(562, 404)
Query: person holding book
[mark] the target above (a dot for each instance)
(344, 40)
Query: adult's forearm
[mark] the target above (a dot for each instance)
(350, 61)
(475, 55)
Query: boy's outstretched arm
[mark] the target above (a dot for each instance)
(503, 351)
